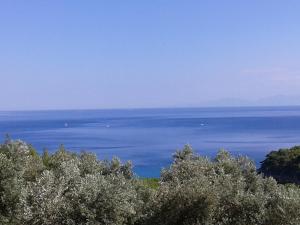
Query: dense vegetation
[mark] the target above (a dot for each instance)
(283, 165)
(68, 188)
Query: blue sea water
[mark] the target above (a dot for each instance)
(149, 137)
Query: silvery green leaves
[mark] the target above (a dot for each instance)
(65, 188)
(226, 190)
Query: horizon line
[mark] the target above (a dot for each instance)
(148, 108)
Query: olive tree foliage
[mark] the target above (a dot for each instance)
(224, 191)
(66, 188)
(19, 164)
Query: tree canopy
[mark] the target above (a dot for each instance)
(283, 165)
(66, 188)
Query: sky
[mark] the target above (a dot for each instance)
(97, 54)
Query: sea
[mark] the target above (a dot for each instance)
(149, 137)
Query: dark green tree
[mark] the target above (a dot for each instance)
(283, 165)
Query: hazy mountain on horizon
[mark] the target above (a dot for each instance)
(276, 100)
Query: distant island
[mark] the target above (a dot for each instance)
(69, 188)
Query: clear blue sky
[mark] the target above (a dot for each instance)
(122, 54)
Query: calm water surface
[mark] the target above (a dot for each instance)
(148, 137)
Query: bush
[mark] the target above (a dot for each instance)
(65, 188)
(283, 165)
(223, 191)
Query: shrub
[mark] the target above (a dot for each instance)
(66, 188)
(283, 165)
(224, 191)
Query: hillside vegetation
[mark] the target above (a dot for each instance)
(65, 188)
(283, 165)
